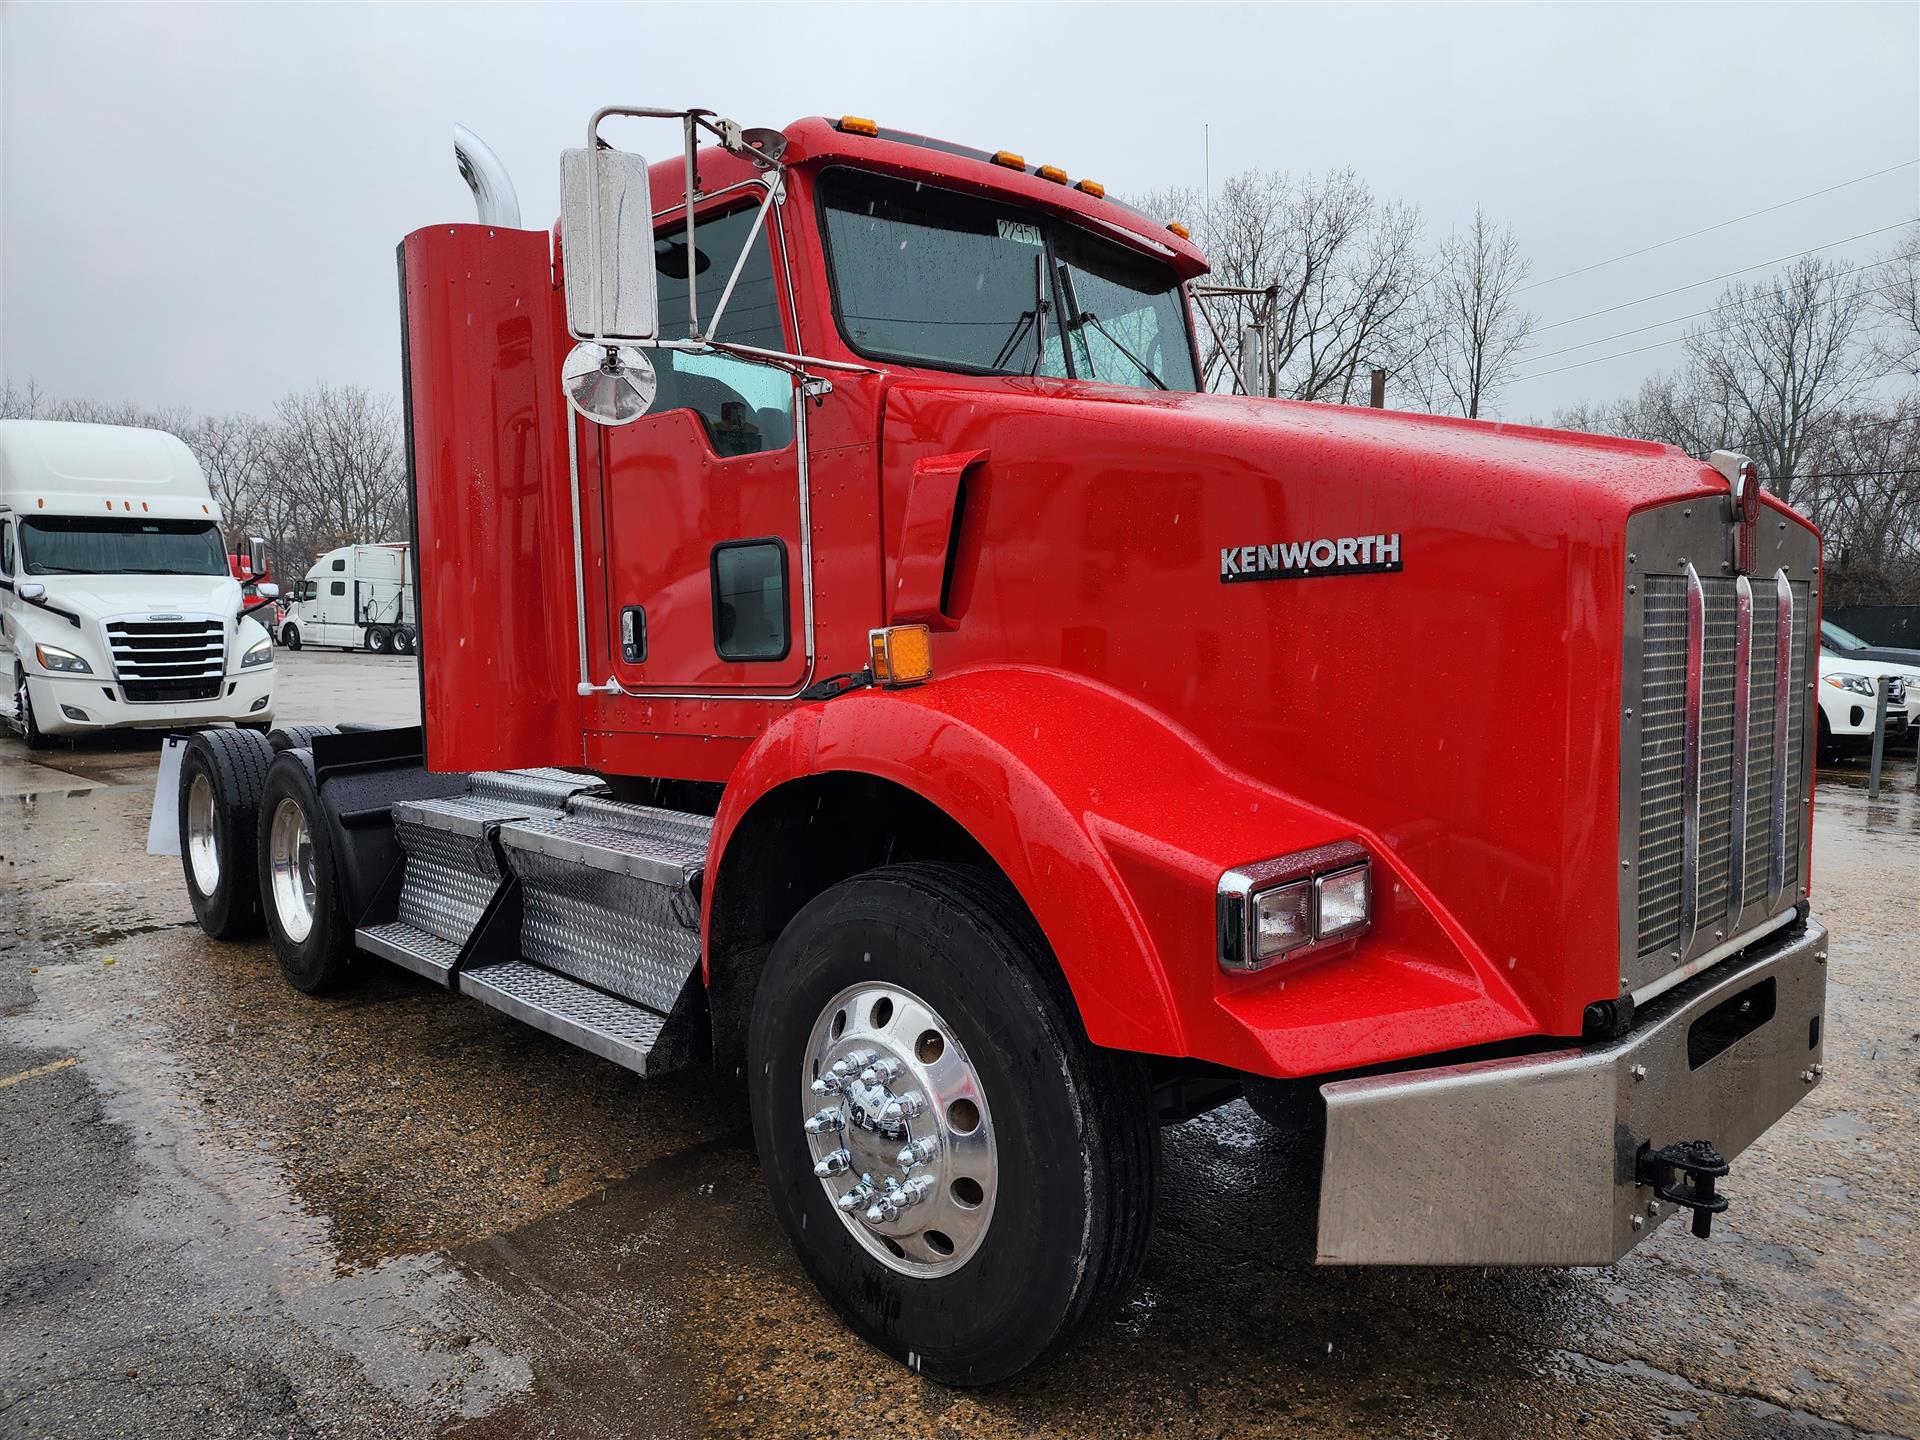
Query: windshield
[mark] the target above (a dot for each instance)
(76, 545)
(1838, 639)
(961, 282)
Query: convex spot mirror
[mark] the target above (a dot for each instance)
(608, 384)
(612, 294)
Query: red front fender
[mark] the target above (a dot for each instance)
(1115, 827)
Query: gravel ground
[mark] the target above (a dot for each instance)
(229, 1207)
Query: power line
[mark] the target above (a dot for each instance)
(1695, 315)
(1708, 229)
(1695, 285)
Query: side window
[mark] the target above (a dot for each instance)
(339, 587)
(750, 600)
(744, 408)
(340, 564)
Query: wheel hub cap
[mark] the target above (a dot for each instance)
(203, 843)
(290, 854)
(897, 1124)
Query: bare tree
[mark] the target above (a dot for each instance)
(336, 451)
(1862, 487)
(1474, 325)
(23, 401)
(1328, 273)
(1894, 298)
(234, 451)
(1784, 353)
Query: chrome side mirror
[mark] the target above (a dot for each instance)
(31, 591)
(256, 555)
(607, 228)
(267, 590)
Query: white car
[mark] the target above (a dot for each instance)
(1849, 701)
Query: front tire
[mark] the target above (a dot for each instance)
(30, 731)
(1034, 1185)
(290, 637)
(300, 880)
(220, 779)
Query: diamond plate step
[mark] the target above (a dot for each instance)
(613, 1029)
(411, 948)
(608, 896)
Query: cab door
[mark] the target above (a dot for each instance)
(699, 499)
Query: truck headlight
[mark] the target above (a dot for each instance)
(1293, 904)
(52, 657)
(1858, 684)
(261, 653)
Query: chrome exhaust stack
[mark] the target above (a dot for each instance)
(493, 193)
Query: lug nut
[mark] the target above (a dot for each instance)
(904, 1107)
(859, 1195)
(919, 1152)
(881, 1072)
(827, 1085)
(828, 1119)
(833, 1163)
(853, 1062)
(1638, 1223)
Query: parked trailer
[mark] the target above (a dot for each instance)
(859, 660)
(356, 597)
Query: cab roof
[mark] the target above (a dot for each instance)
(60, 467)
(816, 142)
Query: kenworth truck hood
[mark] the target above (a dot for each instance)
(1413, 623)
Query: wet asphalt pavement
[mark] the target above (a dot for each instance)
(230, 1210)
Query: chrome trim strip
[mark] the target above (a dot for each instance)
(1690, 760)
(1655, 988)
(1782, 695)
(1742, 734)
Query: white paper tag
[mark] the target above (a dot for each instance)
(1017, 230)
(163, 829)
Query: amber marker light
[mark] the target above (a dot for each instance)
(858, 125)
(1053, 173)
(1093, 188)
(1010, 159)
(1182, 231)
(901, 655)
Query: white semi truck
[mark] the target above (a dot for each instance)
(118, 609)
(358, 597)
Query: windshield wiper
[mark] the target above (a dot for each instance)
(1087, 317)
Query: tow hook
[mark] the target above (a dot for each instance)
(1684, 1173)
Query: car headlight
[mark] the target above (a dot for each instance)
(52, 657)
(1294, 904)
(1858, 684)
(261, 653)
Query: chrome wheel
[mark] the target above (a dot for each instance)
(203, 841)
(899, 1129)
(290, 856)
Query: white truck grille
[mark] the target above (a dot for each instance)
(162, 660)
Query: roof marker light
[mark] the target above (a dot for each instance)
(1182, 231)
(1053, 173)
(1010, 159)
(858, 125)
(1093, 188)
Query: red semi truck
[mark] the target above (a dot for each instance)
(857, 656)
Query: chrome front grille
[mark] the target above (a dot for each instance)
(1715, 747)
(161, 660)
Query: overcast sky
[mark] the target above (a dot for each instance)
(199, 206)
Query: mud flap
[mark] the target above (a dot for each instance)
(163, 827)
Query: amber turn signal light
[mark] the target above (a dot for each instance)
(901, 655)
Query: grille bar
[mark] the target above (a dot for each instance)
(1782, 680)
(1690, 719)
(1742, 746)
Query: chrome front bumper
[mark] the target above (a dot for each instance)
(1532, 1160)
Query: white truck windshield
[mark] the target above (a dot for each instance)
(82, 545)
(959, 282)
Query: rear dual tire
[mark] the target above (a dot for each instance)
(221, 776)
(1074, 1148)
(299, 879)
